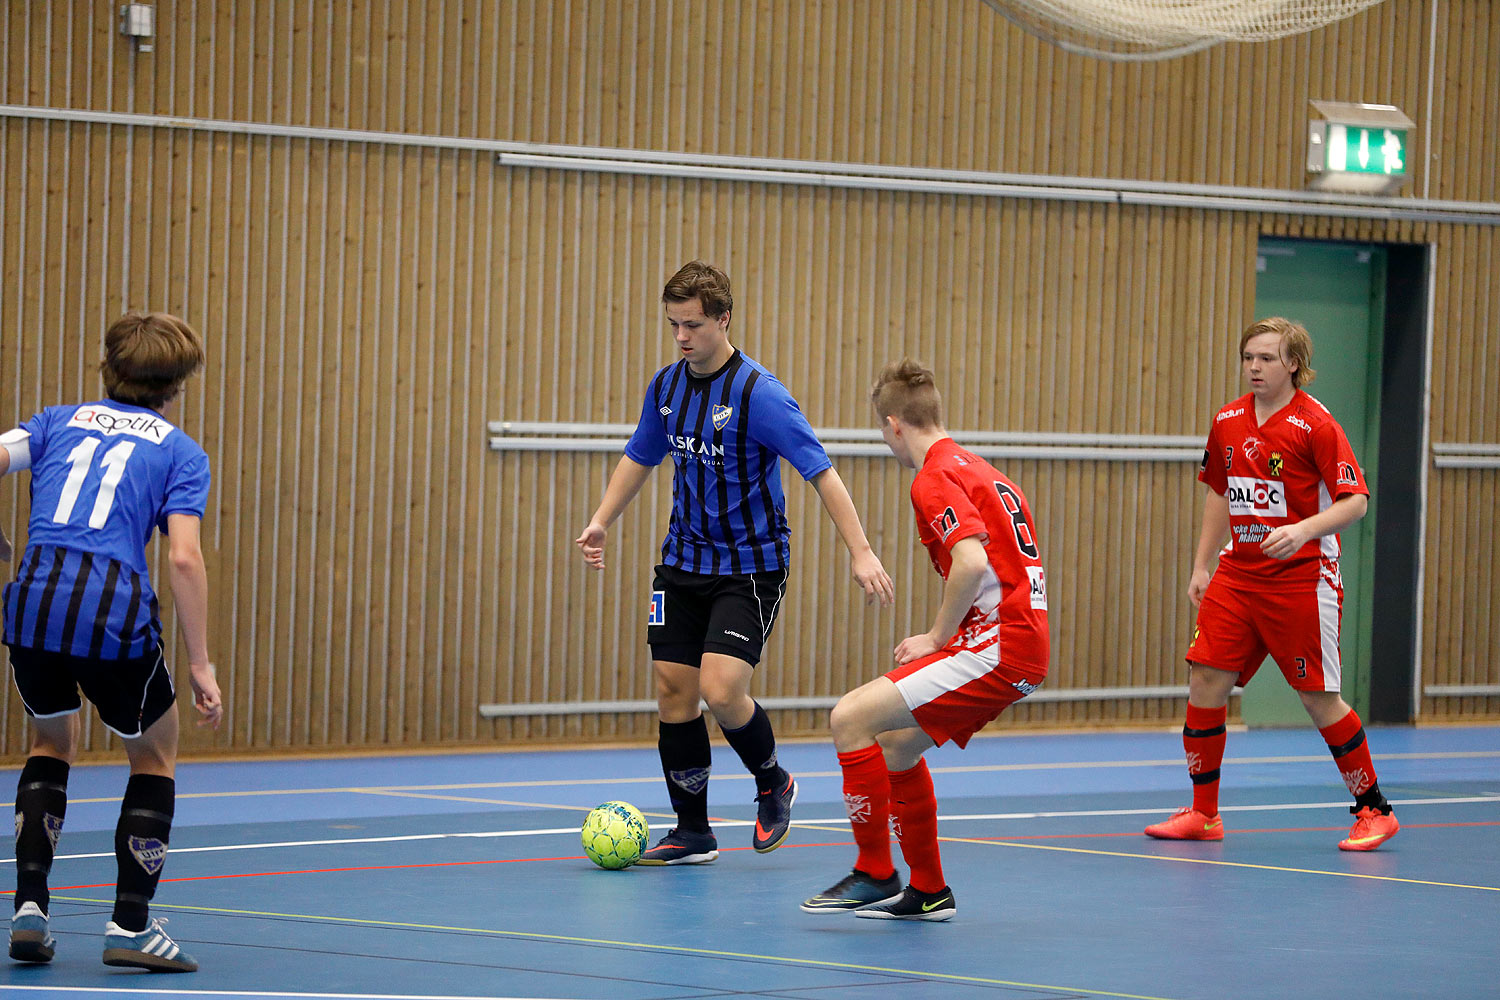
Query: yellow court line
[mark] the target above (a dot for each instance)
(642, 945)
(1211, 861)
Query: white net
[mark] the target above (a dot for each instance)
(1161, 29)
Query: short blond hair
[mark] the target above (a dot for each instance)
(907, 390)
(147, 357)
(1296, 345)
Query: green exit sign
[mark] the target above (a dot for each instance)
(1363, 150)
(1358, 148)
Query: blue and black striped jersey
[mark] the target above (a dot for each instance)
(103, 477)
(725, 433)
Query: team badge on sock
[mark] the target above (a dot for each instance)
(148, 852)
(692, 781)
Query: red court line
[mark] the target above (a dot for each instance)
(580, 857)
(1237, 831)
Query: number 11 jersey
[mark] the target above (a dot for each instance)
(103, 477)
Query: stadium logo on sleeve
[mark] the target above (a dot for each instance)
(945, 523)
(721, 416)
(1277, 465)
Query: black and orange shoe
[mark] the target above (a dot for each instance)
(773, 816)
(682, 847)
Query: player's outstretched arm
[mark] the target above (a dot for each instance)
(624, 483)
(867, 569)
(189, 580)
(1211, 539)
(965, 577)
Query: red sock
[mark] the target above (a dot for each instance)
(914, 810)
(867, 796)
(1346, 741)
(1203, 737)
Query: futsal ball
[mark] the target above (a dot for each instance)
(614, 835)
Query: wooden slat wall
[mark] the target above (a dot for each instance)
(377, 573)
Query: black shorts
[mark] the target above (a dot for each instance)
(697, 613)
(129, 695)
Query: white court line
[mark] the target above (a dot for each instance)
(262, 993)
(832, 821)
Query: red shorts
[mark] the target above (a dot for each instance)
(955, 691)
(1299, 629)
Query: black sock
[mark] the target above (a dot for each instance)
(756, 745)
(41, 803)
(1371, 798)
(686, 760)
(141, 846)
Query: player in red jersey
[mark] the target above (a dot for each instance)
(986, 649)
(1282, 483)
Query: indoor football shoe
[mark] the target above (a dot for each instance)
(29, 938)
(1188, 824)
(853, 891)
(913, 904)
(682, 847)
(773, 816)
(1371, 829)
(147, 949)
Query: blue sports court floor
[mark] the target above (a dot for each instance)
(462, 876)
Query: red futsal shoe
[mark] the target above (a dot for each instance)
(1371, 829)
(1188, 824)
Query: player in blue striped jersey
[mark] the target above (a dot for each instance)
(726, 422)
(81, 613)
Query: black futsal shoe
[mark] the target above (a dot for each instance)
(853, 891)
(913, 905)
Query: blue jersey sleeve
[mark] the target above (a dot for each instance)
(187, 486)
(777, 422)
(648, 445)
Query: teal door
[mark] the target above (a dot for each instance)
(1337, 291)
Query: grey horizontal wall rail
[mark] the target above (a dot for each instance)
(502, 711)
(1479, 455)
(542, 436)
(821, 173)
(1462, 690)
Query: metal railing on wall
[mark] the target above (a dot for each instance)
(523, 435)
(1480, 455)
(610, 438)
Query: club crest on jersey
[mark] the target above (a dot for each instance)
(149, 852)
(658, 615)
(945, 523)
(721, 414)
(1277, 465)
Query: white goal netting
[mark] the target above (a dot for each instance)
(1161, 29)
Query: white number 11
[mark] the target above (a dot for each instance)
(81, 458)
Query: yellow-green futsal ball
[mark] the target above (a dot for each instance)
(614, 835)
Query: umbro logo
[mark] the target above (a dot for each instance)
(665, 411)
